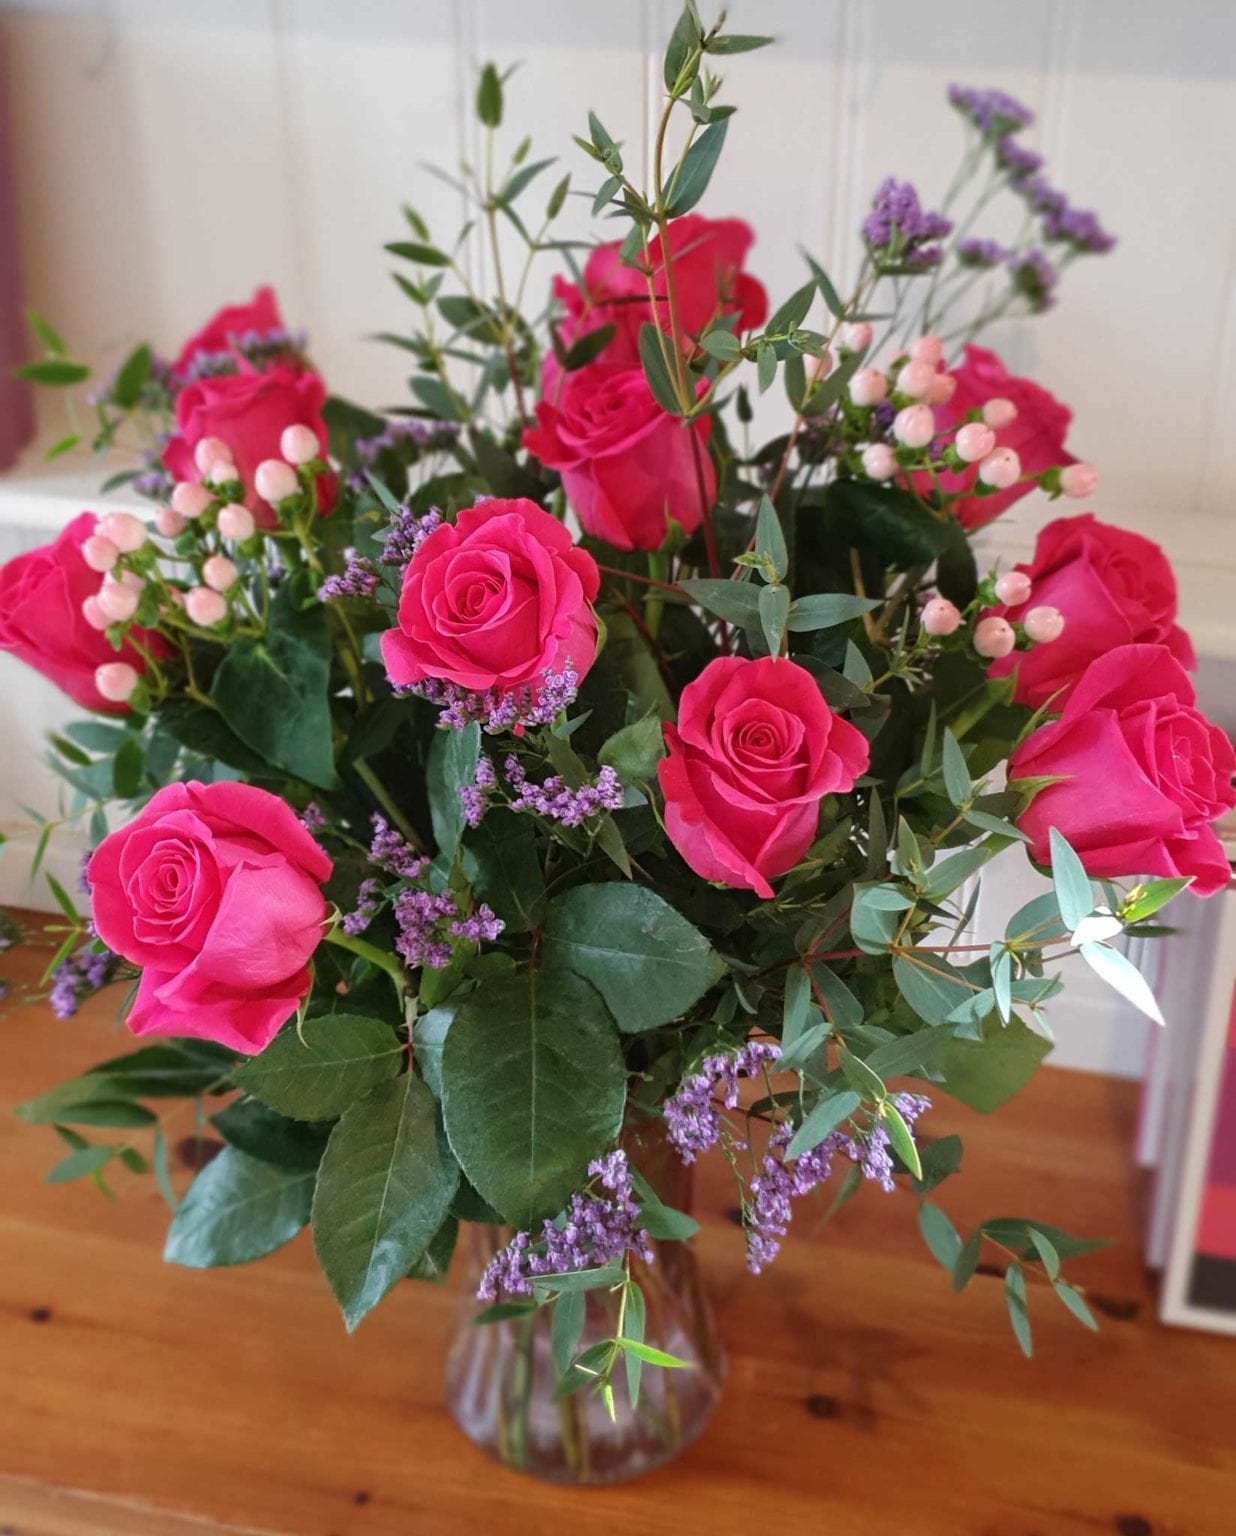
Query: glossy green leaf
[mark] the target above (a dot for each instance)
(238, 1209)
(340, 1057)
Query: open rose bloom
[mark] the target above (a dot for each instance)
(494, 783)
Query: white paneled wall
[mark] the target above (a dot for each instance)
(174, 153)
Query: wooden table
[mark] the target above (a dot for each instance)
(864, 1397)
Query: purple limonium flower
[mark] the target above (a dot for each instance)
(900, 228)
(474, 797)
(1035, 278)
(391, 852)
(981, 253)
(358, 579)
(482, 927)
(513, 710)
(600, 1225)
(1018, 161)
(1042, 196)
(312, 818)
(1078, 227)
(692, 1116)
(76, 978)
(557, 801)
(368, 900)
(408, 532)
(992, 112)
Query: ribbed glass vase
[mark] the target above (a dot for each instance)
(501, 1379)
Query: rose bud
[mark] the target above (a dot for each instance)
(879, 461)
(1013, 587)
(99, 553)
(940, 617)
(1044, 624)
(1078, 480)
(994, 638)
(275, 481)
(915, 426)
(974, 441)
(190, 500)
(236, 522)
(205, 607)
(116, 681)
(1000, 469)
(868, 387)
(299, 445)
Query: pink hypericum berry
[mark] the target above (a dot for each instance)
(1013, 588)
(207, 451)
(205, 607)
(189, 499)
(994, 638)
(220, 573)
(116, 601)
(856, 335)
(915, 426)
(927, 349)
(868, 387)
(943, 388)
(879, 461)
(275, 481)
(222, 472)
(1078, 480)
(916, 379)
(169, 522)
(115, 680)
(819, 367)
(236, 521)
(299, 444)
(1000, 469)
(127, 533)
(940, 617)
(999, 412)
(1045, 624)
(93, 613)
(974, 441)
(100, 554)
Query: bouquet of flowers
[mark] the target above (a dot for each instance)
(502, 801)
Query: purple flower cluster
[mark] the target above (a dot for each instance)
(1018, 161)
(557, 800)
(596, 1228)
(407, 533)
(407, 437)
(992, 112)
(359, 579)
(76, 978)
(1078, 227)
(313, 818)
(497, 710)
(981, 253)
(900, 228)
(391, 852)
(429, 920)
(692, 1118)
(1035, 278)
(474, 797)
(257, 348)
(368, 900)
(769, 1209)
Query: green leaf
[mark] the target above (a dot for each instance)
(723, 345)
(633, 1326)
(1046, 1251)
(685, 189)
(874, 913)
(684, 39)
(435, 1262)
(827, 291)
(968, 1260)
(940, 1235)
(738, 602)
(655, 370)
(171, 1069)
(85, 1100)
(901, 1138)
(273, 692)
(634, 751)
(651, 1356)
(658, 1219)
(162, 1173)
(57, 372)
(48, 336)
(504, 868)
(889, 521)
(1071, 882)
(826, 609)
(132, 377)
(588, 347)
(489, 97)
(577, 1281)
(791, 314)
(866, 1083)
(1073, 1300)
(416, 250)
(257, 1131)
(1019, 1313)
(127, 768)
(1148, 896)
(62, 446)
(236, 1210)
(844, 1009)
(957, 782)
(646, 960)
(85, 1160)
(1118, 971)
(988, 1072)
(533, 1088)
(770, 538)
(453, 756)
(765, 365)
(385, 1185)
(566, 1328)
(340, 1057)
(941, 1158)
(774, 610)
(943, 878)
(737, 43)
(823, 1120)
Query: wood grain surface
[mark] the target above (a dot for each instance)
(137, 1399)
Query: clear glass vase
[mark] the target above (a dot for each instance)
(501, 1379)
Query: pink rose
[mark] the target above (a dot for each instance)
(214, 890)
(1142, 773)
(1036, 434)
(260, 314)
(1113, 587)
(495, 601)
(627, 466)
(249, 412)
(754, 751)
(709, 283)
(41, 619)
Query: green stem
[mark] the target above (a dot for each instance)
(382, 958)
(654, 602)
(376, 788)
